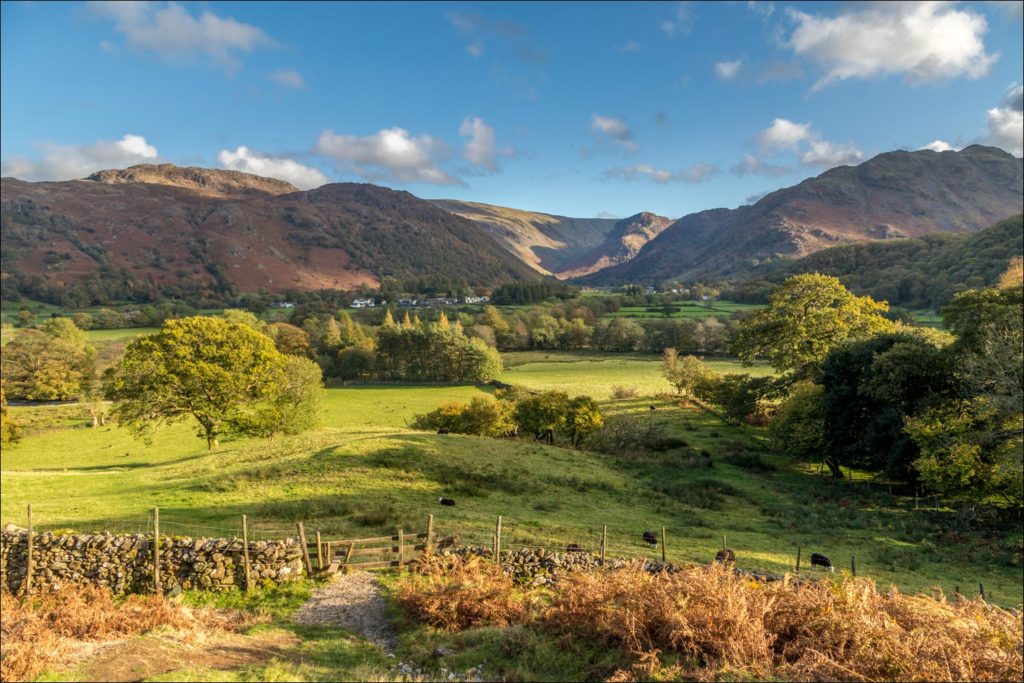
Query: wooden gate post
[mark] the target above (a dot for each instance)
(28, 554)
(497, 541)
(604, 543)
(725, 544)
(663, 545)
(428, 546)
(319, 551)
(245, 551)
(305, 549)
(156, 552)
(853, 565)
(401, 548)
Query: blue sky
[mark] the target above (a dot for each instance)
(581, 109)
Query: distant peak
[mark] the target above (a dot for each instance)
(206, 180)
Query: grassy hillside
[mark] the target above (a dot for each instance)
(364, 472)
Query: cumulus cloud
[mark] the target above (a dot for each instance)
(1006, 122)
(807, 143)
(481, 149)
(67, 162)
(614, 129)
(752, 165)
(939, 146)
(289, 78)
(175, 34)
(389, 154)
(728, 70)
(680, 21)
(697, 173)
(923, 41)
(250, 161)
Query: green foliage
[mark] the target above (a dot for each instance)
(289, 339)
(583, 419)
(809, 315)
(543, 414)
(736, 396)
(481, 417)
(292, 405)
(434, 352)
(53, 363)
(686, 373)
(798, 426)
(205, 368)
(10, 429)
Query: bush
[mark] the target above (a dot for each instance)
(624, 392)
(736, 396)
(798, 427)
(748, 461)
(482, 417)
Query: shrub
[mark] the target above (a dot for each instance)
(482, 417)
(748, 461)
(624, 392)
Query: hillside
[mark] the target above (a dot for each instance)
(559, 245)
(199, 233)
(924, 272)
(891, 196)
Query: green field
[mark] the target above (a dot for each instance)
(364, 472)
(688, 309)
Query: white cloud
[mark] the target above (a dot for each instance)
(679, 22)
(728, 70)
(804, 141)
(67, 162)
(765, 9)
(250, 161)
(783, 134)
(697, 173)
(476, 49)
(289, 78)
(924, 41)
(391, 153)
(752, 165)
(1006, 122)
(939, 146)
(613, 128)
(172, 32)
(481, 148)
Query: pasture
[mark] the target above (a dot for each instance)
(365, 472)
(687, 309)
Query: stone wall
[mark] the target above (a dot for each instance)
(537, 566)
(124, 562)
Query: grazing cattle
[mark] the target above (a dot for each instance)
(819, 560)
(448, 542)
(651, 538)
(653, 408)
(725, 555)
(573, 548)
(442, 430)
(446, 501)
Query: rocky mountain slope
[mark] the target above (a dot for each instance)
(199, 232)
(891, 196)
(559, 245)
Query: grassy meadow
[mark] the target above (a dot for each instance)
(688, 309)
(365, 472)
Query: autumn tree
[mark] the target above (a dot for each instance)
(47, 364)
(293, 402)
(683, 373)
(808, 316)
(204, 368)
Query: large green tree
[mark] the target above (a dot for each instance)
(53, 363)
(808, 316)
(292, 405)
(204, 368)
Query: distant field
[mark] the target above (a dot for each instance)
(688, 309)
(364, 472)
(596, 373)
(928, 318)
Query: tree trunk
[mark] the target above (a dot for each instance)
(834, 467)
(211, 443)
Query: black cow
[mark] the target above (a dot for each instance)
(653, 408)
(573, 548)
(651, 538)
(819, 560)
(442, 430)
(446, 501)
(725, 555)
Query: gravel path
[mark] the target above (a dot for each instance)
(353, 602)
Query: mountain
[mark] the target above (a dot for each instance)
(891, 196)
(922, 272)
(559, 245)
(201, 233)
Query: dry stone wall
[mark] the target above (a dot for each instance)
(124, 562)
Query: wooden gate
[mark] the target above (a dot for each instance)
(376, 552)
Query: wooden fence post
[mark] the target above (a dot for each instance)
(798, 559)
(401, 548)
(245, 550)
(319, 551)
(725, 544)
(604, 543)
(981, 589)
(853, 565)
(497, 540)
(156, 552)
(305, 549)
(428, 546)
(348, 555)
(663, 543)
(28, 554)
